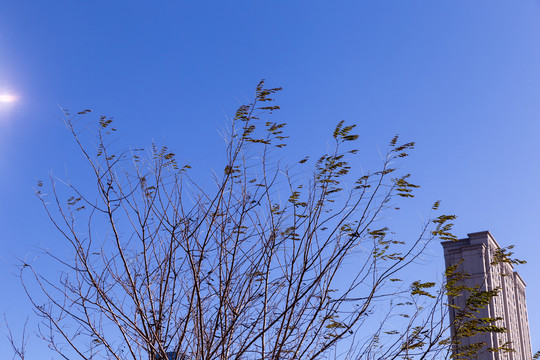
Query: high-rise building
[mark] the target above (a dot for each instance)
(475, 255)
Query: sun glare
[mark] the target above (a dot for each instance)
(7, 98)
(8, 101)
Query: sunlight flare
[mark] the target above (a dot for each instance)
(7, 98)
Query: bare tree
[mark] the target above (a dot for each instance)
(278, 262)
(18, 347)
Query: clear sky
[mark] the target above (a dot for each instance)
(460, 77)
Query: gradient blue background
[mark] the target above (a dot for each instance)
(461, 78)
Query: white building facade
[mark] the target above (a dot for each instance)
(476, 253)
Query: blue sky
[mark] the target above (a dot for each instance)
(461, 78)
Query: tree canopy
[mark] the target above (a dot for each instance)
(277, 261)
